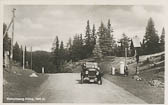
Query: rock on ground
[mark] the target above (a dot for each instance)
(33, 75)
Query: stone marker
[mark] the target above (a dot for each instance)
(42, 70)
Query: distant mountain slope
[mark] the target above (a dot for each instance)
(43, 59)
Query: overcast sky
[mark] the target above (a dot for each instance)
(38, 25)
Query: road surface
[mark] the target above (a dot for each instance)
(66, 88)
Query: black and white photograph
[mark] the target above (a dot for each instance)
(94, 54)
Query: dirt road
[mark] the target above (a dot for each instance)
(66, 88)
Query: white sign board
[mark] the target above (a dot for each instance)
(136, 41)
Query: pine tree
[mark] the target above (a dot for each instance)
(93, 37)
(110, 39)
(102, 38)
(162, 40)
(55, 49)
(16, 52)
(81, 47)
(151, 38)
(77, 48)
(124, 43)
(6, 40)
(97, 52)
(88, 41)
(88, 34)
(92, 40)
(125, 40)
(62, 54)
(69, 50)
(132, 48)
(26, 57)
(69, 44)
(106, 39)
(21, 54)
(162, 37)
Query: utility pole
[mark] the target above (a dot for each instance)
(31, 59)
(23, 58)
(11, 56)
(11, 52)
(8, 28)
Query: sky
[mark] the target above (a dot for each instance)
(38, 25)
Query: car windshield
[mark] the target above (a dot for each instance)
(91, 65)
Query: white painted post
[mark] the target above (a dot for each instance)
(42, 70)
(122, 67)
(113, 71)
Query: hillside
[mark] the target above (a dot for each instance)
(18, 83)
(43, 59)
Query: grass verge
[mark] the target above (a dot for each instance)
(18, 84)
(141, 89)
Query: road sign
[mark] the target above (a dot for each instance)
(136, 41)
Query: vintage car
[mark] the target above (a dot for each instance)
(91, 73)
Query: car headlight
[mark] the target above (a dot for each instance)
(86, 72)
(97, 73)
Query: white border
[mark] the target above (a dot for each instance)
(86, 2)
(81, 2)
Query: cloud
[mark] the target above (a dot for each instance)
(56, 13)
(26, 22)
(134, 21)
(37, 26)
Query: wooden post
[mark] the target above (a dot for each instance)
(125, 56)
(11, 53)
(8, 28)
(136, 43)
(31, 59)
(125, 66)
(23, 58)
(11, 56)
(137, 59)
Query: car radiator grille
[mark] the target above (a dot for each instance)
(92, 73)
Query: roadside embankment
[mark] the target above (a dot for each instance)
(151, 86)
(19, 84)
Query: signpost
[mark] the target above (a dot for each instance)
(125, 56)
(136, 43)
(123, 65)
